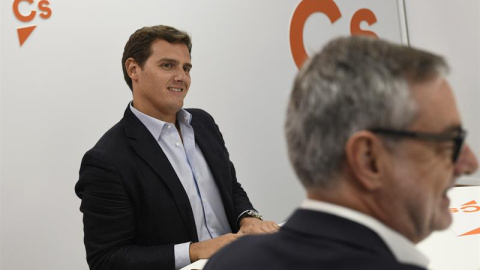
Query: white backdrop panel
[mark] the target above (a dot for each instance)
(64, 88)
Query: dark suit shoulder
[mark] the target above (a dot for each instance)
(99, 160)
(204, 125)
(197, 111)
(199, 115)
(111, 138)
(286, 250)
(115, 145)
(108, 156)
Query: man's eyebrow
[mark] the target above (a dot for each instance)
(174, 61)
(453, 128)
(170, 60)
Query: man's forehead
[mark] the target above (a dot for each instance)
(163, 48)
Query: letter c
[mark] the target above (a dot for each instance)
(17, 13)
(300, 16)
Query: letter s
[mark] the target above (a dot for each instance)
(43, 6)
(360, 16)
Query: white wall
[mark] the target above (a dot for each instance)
(64, 88)
(1, 137)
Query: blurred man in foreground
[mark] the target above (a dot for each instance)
(376, 139)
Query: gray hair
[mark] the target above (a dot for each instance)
(354, 83)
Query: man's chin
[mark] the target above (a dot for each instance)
(443, 221)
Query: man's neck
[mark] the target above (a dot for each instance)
(170, 117)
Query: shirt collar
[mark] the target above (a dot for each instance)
(184, 117)
(402, 248)
(154, 125)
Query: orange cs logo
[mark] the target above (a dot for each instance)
(330, 9)
(469, 207)
(27, 16)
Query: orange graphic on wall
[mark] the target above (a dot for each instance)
(469, 207)
(42, 7)
(331, 10)
(472, 232)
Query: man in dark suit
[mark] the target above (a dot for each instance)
(158, 190)
(376, 139)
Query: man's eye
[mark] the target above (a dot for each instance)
(187, 69)
(167, 65)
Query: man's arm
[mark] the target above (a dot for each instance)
(205, 249)
(109, 221)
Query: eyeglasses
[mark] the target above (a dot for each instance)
(458, 138)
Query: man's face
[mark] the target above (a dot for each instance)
(423, 171)
(160, 87)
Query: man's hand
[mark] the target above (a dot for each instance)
(248, 225)
(251, 225)
(205, 249)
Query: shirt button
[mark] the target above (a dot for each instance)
(177, 144)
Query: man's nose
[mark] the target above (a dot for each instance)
(180, 75)
(467, 162)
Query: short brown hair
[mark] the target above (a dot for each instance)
(139, 44)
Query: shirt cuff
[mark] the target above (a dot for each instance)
(182, 255)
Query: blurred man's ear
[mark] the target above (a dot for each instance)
(364, 152)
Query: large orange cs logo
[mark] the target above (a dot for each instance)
(41, 7)
(330, 9)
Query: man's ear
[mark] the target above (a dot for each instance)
(364, 152)
(132, 68)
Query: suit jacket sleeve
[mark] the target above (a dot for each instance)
(109, 221)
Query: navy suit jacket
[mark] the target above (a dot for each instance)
(310, 240)
(135, 208)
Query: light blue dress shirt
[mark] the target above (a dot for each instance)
(192, 169)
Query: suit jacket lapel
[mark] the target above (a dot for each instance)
(217, 162)
(149, 150)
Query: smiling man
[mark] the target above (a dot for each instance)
(158, 190)
(376, 139)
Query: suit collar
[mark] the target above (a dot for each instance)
(328, 226)
(403, 249)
